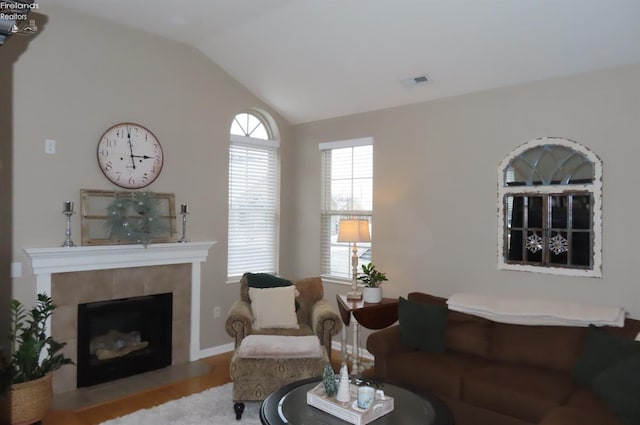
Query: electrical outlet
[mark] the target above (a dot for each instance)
(216, 312)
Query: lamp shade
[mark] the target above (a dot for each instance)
(353, 231)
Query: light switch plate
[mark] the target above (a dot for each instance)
(16, 269)
(50, 146)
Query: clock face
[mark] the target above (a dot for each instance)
(130, 155)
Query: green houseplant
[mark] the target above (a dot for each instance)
(371, 279)
(30, 366)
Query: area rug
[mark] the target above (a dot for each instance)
(211, 407)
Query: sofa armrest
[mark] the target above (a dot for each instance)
(239, 320)
(384, 344)
(325, 322)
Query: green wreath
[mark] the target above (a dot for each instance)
(134, 216)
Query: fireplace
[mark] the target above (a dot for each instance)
(87, 274)
(124, 337)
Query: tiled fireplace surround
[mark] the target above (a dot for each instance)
(88, 274)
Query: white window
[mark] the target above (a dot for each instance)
(253, 198)
(549, 203)
(347, 192)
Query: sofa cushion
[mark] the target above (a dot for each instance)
(585, 399)
(466, 414)
(601, 350)
(422, 326)
(465, 333)
(468, 334)
(619, 387)
(565, 415)
(525, 392)
(591, 405)
(551, 347)
(435, 372)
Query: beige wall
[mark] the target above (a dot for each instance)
(9, 53)
(7, 56)
(82, 75)
(6, 73)
(435, 163)
(435, 168)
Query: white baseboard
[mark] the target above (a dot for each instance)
(213, 351)
(336, 345)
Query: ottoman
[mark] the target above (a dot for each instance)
(264, 363)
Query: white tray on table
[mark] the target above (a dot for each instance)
(349, 410)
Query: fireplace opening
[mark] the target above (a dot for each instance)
(120, 338)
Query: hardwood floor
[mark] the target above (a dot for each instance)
(98, 413)
(95, 414)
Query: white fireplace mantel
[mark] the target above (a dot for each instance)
(47, 261)
(82, 258)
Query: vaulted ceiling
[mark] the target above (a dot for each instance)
(317, 59)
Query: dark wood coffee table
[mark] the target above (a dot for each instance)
(288, 405)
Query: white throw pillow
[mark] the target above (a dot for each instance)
(274, 307)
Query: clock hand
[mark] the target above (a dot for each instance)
(131, 148)
(142, 156)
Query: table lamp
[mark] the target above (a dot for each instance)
(354, 230)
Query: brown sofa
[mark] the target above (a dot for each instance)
(498, 374)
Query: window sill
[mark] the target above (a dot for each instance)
(560, 271)
(336, 280)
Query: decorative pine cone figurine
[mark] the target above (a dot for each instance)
(329, 381)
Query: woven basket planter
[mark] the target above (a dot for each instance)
(31, 400)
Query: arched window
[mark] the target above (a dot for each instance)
(253, 197)
(249, 125)
(549, 208)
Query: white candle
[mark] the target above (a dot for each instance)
(366, 397)
(183, 209)
(67, 206)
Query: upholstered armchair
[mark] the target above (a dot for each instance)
(315, 316)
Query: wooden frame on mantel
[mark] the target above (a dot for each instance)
(93, 210)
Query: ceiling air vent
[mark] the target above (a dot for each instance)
(416, 81)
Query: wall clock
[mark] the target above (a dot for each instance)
(130, 156)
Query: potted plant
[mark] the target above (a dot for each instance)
(29, 368)
(371, 279)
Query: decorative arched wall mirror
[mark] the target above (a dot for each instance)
(550, 209)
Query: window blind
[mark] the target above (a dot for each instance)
(347, 192)
(253, 207)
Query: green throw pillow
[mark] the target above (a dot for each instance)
(265, 280)
(601, 350)
(422, 326)
(619, 387)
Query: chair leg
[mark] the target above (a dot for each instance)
(239, 409)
